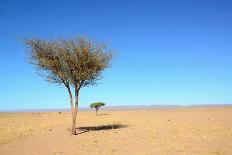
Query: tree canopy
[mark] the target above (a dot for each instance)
(97, 104)
(77, 62)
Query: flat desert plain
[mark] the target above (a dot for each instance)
(184, 131)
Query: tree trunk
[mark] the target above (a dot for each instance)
(74, 116)
(74, 112)
(97, 110)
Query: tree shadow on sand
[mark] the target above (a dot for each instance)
(82, 130)
(102, 114)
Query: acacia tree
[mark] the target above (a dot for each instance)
(97, 105)
(75, 63)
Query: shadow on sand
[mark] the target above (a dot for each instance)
(102, 114)
(81, 130)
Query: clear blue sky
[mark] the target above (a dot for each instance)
(169, 52)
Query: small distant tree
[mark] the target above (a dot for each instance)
(97, 105)
(75, 63)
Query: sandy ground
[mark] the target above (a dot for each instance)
(184, 131)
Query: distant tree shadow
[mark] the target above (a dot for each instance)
(81, 130)
(102, 114)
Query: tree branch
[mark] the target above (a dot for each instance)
(81, 84)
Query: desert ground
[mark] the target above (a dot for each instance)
(184, 131)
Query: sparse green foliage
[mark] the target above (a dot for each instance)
(97, 105)
(75, 63)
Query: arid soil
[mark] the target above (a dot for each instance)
(184, 131)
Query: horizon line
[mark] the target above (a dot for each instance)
(114, 107)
